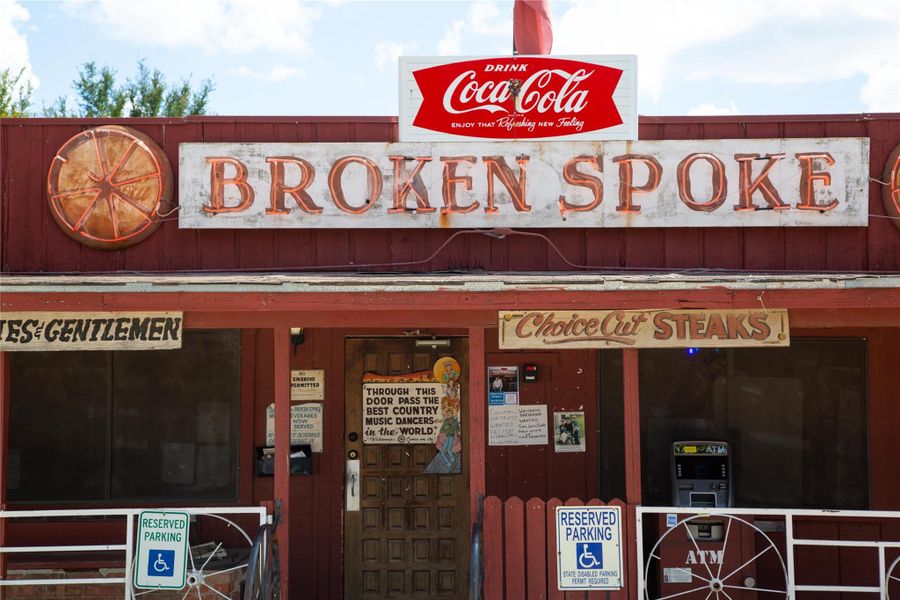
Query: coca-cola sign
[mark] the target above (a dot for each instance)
(518, 97)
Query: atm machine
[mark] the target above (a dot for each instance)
(701, 473)
(692, 547)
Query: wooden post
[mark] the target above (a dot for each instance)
(632, 398)
(282, 392)
(477, 401)
(4, 451)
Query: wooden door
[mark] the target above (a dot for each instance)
(410, 536)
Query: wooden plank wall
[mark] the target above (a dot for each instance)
(32, 242)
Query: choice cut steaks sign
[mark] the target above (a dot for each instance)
(643, 328)
(518, 97)
(686, 183)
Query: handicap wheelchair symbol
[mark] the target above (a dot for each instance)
(161, 563)
(589, 556)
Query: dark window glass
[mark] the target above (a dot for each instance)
(128, 425)
(795, 418)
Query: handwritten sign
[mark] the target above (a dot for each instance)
(517, 425)
(643, 328)
(401, 412)
(27, 331)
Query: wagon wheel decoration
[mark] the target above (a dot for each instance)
(106, 185)
(204, 571)
(892, 580)
(891, 183)
(715, 583)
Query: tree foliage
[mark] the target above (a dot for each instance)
(15, 93)
(148, 94)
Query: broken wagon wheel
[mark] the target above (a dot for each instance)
(106, 185)
(713, 582)
(203, 572)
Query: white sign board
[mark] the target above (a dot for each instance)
(306, 425)
(401, 412)
(307, 384)
(517, 425)
(815, 182)
(589, 547)
(25, 331)
(161, 550)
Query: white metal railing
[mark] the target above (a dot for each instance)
(129, 514)
(710, 584)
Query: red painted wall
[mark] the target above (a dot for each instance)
(32, 242)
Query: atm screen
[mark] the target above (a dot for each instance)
(701, 467)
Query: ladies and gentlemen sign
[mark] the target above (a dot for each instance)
(643, 328)
(811, 182)
(23, 331)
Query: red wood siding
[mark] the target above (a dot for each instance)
(32, 242)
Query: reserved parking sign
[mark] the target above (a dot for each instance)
(589, 548)
(161, 550)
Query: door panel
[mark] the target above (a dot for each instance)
(409, 537)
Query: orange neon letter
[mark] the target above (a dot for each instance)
(451, 180)
(412, 183)
(626, 178)
(746, 188)
(278, 190)
(719, 182)
(218, 181)
(575, 177)
(807, 178)
(496, 166)
(373, 181)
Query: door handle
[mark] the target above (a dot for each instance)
(352, 496)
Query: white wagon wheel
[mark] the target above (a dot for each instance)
(892, 580)
(200, 572)
(713, 584)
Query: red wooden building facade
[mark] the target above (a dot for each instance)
(364, 296)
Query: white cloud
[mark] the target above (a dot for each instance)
(484, 18)
(768, 41)
(276, 73)
(231, 26)
(13, 43)
(882, 91)
(386, 53)
(708, 108)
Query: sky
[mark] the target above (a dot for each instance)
(339, 57)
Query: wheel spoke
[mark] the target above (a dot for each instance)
(191, 556)
(209, 558)
(697, 548)
(199, 595)
(213, 574)
(894, 577)
(724, 547)
(186, 592)
(144, 592)
(760, 553)
(113, 216)
(754, 589)
(726, 594)
(100, 161)
(702, 587)
(216, 591)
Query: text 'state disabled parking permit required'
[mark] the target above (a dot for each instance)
(162, 550)
(589, 547)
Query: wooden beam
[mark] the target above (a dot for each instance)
(4, 451)
(282, 392)
(476, 426)
(632, 399)
(632, 426)
(341, 306)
